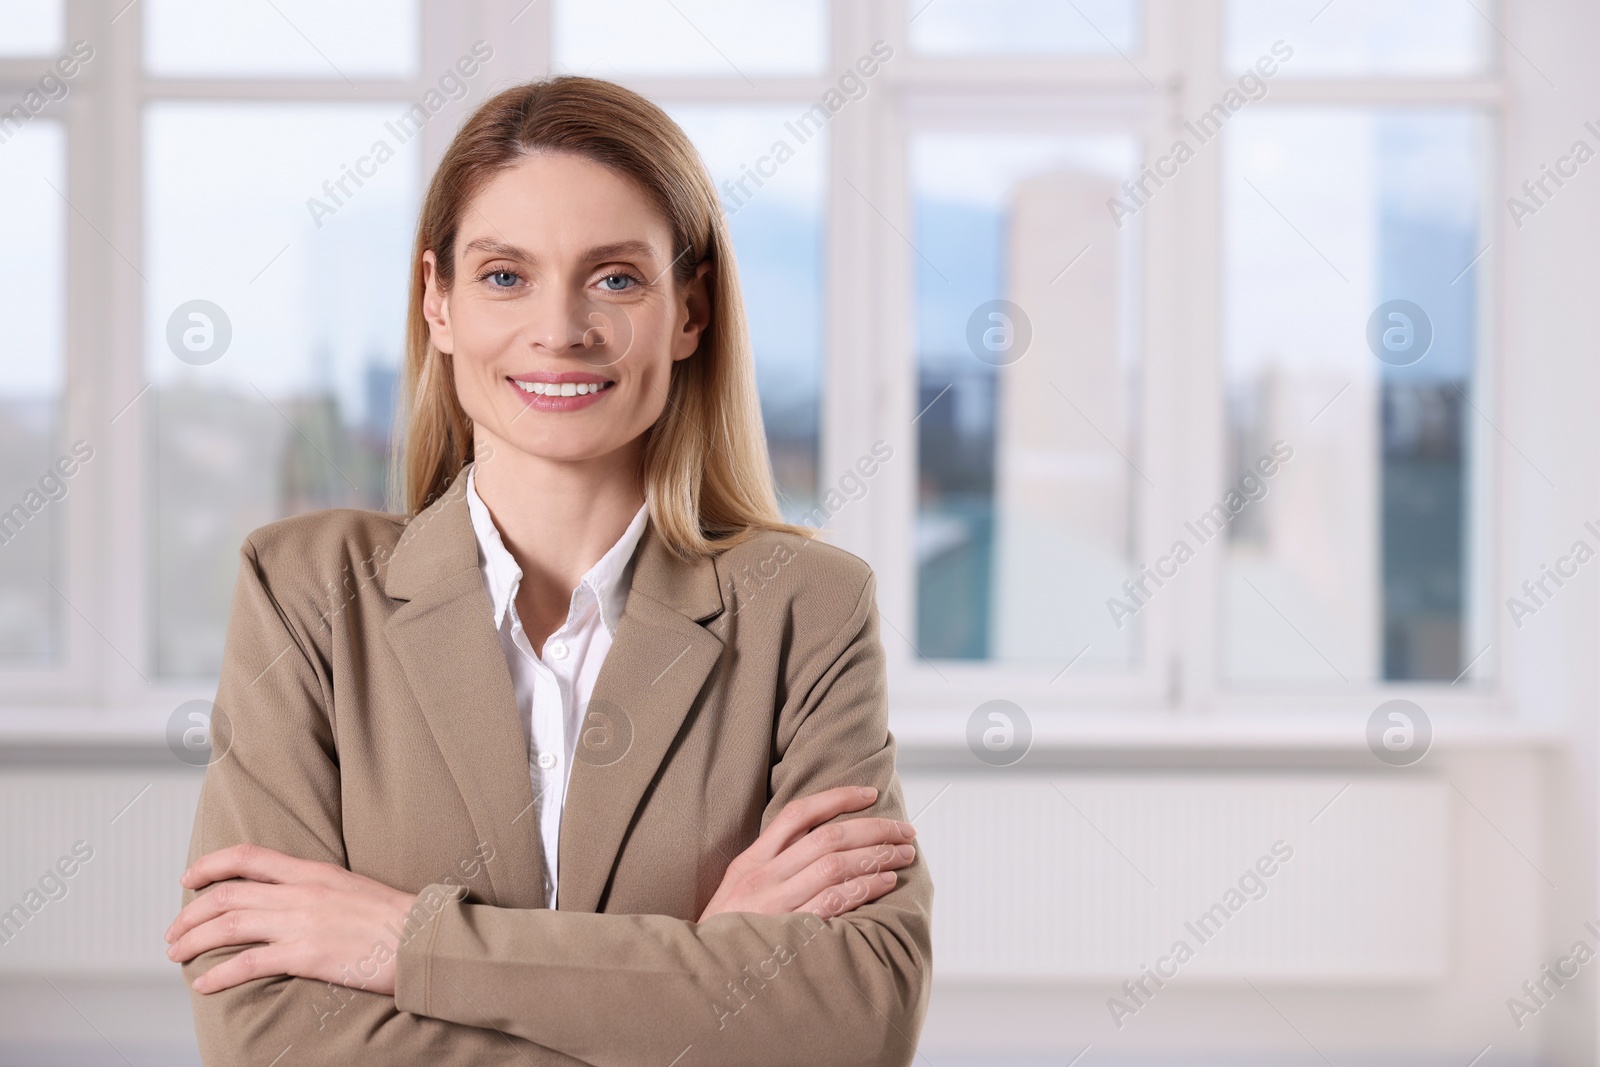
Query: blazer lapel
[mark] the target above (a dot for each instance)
(659, 660)
(447, 647)
(445, 641)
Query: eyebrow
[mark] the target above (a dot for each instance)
(614, 250)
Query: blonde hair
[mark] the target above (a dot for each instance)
(705, 471)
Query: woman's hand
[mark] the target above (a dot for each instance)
(307, 919)
(798, 865)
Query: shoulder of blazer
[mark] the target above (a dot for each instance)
(305, 561)
(781, 575)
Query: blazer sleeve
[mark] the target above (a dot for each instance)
(740, 988)
(277, 785)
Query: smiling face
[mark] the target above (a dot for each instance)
(563, 319)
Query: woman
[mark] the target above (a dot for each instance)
(696, 855)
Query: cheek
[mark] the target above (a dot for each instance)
(633, 348)
(653, 344)
(482, 341)
(483, 332)
(647, 401)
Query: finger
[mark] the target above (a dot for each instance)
(839, 868)
(839, 837)
(841, 899)
(234, 928)
(801, 814)
(257, 863)
(750, 874)
(262, 962)
(225, 897)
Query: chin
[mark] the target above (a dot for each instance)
(565, 451)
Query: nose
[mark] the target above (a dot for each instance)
(575, 325)
(550, 324)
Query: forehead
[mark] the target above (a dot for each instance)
(558, 202)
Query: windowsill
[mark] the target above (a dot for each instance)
(934, 737)
(95, 735)
(53, 735)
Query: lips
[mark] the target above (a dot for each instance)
(567, 391)
(562, 378)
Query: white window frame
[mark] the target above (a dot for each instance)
(1176, 693)
(1174, 696)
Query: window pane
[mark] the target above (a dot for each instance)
(281, 38)
(32, 363)
(1027, 393)
(1350, 336)
(731, 38)
(777, 225)
(31, 27)
(275, 396)
(1360, 38)
(1015, 27)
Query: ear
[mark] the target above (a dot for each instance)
(696, 312)
(435, 305)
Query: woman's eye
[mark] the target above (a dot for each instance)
(502, 279)
(617, 277)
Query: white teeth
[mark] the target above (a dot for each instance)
(559, 388)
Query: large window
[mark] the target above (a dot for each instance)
(776, 219)
(272, 336)
(1339, 536)
(1352, 336)
(1141, 348)
(33, 493)
(1027, 387)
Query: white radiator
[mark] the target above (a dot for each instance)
(1071, 876)
(113, 907)
(1083, 877)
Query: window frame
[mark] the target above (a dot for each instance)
(1184, 444)
(100, 688)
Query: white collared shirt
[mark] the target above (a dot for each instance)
(553, 688)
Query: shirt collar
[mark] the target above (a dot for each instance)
(607, 581)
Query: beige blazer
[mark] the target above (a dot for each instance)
(367, 719)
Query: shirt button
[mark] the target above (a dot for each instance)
(547, 760)
(558, 650)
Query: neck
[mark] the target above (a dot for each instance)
(557, 518)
